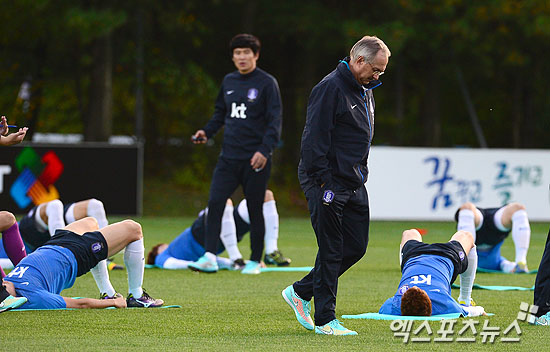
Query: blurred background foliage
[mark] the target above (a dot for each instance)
(152, 69)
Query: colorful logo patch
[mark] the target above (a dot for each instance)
(252, 94)
(36, 179)
(461, 255)
(328, 196)
(96, 247)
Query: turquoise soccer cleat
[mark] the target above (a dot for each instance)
(252, 267)
(11, 302)
(301, 307)
(543, 320)
(334, 327)
(204, 265)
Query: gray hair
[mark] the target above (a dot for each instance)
(368, 47)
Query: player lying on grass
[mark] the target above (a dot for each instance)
(72, 252)
(188, 247)
(490, 227)
(428, 270)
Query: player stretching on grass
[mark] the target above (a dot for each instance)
(428, 270)
(8, 226)
(490, 227)
(189, 246)
(72, 252)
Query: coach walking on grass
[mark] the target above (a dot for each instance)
(332, 171)
(249, 106)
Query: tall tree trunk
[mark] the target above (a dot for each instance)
(517, 115)
(99, 121)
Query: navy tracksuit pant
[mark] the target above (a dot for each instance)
(228, 175)
(341, 226)
(542, 282)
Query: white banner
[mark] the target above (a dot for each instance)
(431, 183)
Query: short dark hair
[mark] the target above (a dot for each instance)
(245, 40)
(415, 301)
(153, 254)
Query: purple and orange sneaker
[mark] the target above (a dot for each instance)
(145, 301)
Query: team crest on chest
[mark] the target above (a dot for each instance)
(328, 197)
(252, 94)
(403, 288)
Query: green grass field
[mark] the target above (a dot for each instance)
(229, 311)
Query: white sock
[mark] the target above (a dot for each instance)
(271, 220)
(54, 211)
(210, 256)
(521, 234)
(101, 277)
(467, 278)
(174, 263)
(97, 211)
(134, 261)
(228, 234)
(466, 222)
(224, 262)
(69, 215)
(507, 266)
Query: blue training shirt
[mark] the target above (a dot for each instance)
(42, 275)
(183, 247)
(433, 274)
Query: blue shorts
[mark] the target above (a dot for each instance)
(490, 259)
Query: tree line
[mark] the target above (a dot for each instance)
(462, 72)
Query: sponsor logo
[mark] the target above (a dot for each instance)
(353, 106)
(461, 255)
(229, 92)
(238, 112)
(35, 183)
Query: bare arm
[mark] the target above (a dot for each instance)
(83, 303)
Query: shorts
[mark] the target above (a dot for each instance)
(488, 234)
(30, 233)
(452, 250)
(88, 249)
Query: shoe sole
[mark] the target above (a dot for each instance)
(202, 270)
(320, 332)
(298, 316)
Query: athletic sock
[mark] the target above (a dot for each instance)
(271, 220)
(467, 278)
(521, 234)
(13, 244)
(101, 277)
(174, 263)
(228, 234)
(210, 256)
(466, 222)
(134, 261)
(97, 211)
(54, 211)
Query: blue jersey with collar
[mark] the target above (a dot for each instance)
(432, 273)
(42, 275)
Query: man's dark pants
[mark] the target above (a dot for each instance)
(228, 175)
(342, 230)
(542, 282)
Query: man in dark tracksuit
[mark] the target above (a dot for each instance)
(249, 106)
(332, 172)
(542, 287)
